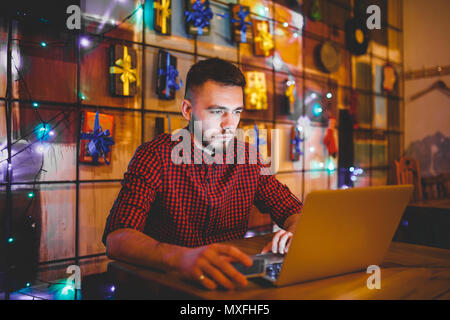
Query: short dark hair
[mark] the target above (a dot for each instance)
(214, 69)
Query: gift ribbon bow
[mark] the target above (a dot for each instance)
(200, 14)
(242, 15)
(100, 141)
(290, 91)
(258, 141)
(257, 96)
(264, 38)
(164, 8)
(123, 67)
(171, 77)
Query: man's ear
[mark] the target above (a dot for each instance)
(186, 109)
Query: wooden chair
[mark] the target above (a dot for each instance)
(445, 181)
(408, 172)
(436, 187)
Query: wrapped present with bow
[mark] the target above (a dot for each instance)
(167, 76)
(197, 15)
(96, 138)
(240, 22)
(263, 44)
(289, 94)
(255, 91)
(259, 136)
(162, 13)
(122, 70)
(297, 137)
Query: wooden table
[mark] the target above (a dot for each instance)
(443, 204)
(408, 272)
(426, 223)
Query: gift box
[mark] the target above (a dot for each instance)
(197, 17)
(167, 74)
(240, 23)
(122, 70)
(162, 16)
(255, 91)
(263, 44)
(289, 95)
(106, 123)
(259, 136)
(296, 140)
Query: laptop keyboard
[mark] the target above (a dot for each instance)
(273, 270)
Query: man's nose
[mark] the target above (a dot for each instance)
(227, 121)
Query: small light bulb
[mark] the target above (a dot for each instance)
(285, 24)
(84, 42)
(35, 104)
(43, 44)
(295, 35)
(52, 133)
(10, 240)
(30, 195)
(329, 95)
(351, 169)
(311, 149)
(353, 178)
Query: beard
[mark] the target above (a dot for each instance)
(211, 139)
(218, 143)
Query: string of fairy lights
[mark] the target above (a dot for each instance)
(43, 132)
(49, 129)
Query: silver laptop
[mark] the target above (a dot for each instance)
(339, 231)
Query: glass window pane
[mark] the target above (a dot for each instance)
(156, 122)
(317, 180)
(46, 138)
(284, 149)
(44, 72)
(395, 40)
(316, 154)
(109, 18)
(178, 39)
(96, 200)
(152, 102)
(380, 112)
(218, 43)
(364, 110)
(284, 108)
(293, 181)
(57, 207)
(95, 76)
(127, 137)
(395, 13)
(266, 114)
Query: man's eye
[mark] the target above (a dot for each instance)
(216, 111)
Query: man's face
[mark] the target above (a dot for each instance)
(219, 108)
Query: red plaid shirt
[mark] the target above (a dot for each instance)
(195, 204)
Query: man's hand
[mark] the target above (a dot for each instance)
(280, 243)
(210, 265)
